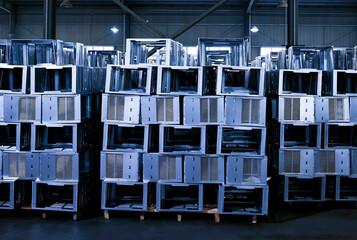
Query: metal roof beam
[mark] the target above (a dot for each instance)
(250, 5)
(197, 20)
(143, 21)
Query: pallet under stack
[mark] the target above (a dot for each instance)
(185, 138)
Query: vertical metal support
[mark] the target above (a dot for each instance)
(126, 29)
(247, 32)
(292, 22)
(49, 13)
(12, 16)
(248, 25)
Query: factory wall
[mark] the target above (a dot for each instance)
(337, 27)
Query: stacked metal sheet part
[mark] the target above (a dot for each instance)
(127, 136)
(241, 137)
(46, 111)
(313, 127)
(184, 138)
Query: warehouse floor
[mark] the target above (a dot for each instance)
(287, 224)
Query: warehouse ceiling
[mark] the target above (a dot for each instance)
(235, 3)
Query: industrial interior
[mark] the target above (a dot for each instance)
(163, 119)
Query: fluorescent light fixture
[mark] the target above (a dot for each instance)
(114, 29)
(282, 4)
(254, 29)
(66, 4)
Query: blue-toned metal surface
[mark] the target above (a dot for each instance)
(308, 189)
(204, 169)
(246, 170)
(65, 108)
(20, 165)
(179, 197)
(22, 108)
(124, 196)
(243, 200)
(162, 168)
(124, 166)
(54, 79)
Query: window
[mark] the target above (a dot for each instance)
(265, 50)
(100, 48)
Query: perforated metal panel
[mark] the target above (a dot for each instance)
(16, 165)
(296, 162)
(120, 108)
(292, 109)
(246, 170)
(353, 109)
(115, 109)
(353, 162)
(66, 109)
(297, 109)
(167, 168)
(21, 165)
(336, 109)
(332, 109)
(114, 166)
(251, 170)
(203, 110)
(245, 111)
(292, 161)
(1, 108)
(27, 109)
(333, 162)
(19, 108)
(64, 168)
(162, 168)
(204, 169)
(121, 166)
(160, 109)
(60, 166)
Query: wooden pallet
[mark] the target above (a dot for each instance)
(76, 215)
(212, 211)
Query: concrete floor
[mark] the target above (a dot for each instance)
(325, 224)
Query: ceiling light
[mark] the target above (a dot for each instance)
(114, 29)
(282, 4)
(66, 4)
(254, 29)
